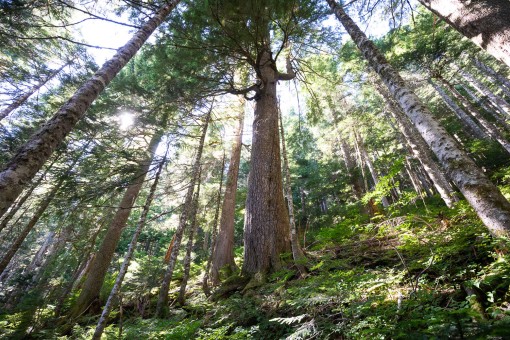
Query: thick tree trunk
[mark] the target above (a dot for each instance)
(129, 255)
(214, 233)
(486, 199)
(181, 299)
(223, 252)
(485, 22)
(494, 74)
(31, 157)
(266, 228)
(99, 267)
(162, 305)
(484, 90)
(491, 129)
(297, 253)
(23, 98)
(472, 127)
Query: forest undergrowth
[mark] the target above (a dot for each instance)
(422, 273)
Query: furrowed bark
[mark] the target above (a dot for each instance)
(266, 227)
(162, 304)
(31, 157)
(485, 22)
(129, 255)
(223, 252)
(485, 198)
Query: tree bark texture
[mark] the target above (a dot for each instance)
(223, 252)
(266, 228)
(99, 267)
(486, 199)
(493, 131)
(31, 157)
(485, 22)
(129, 255)
(23, 98)
(162, 304)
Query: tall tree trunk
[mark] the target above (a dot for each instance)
(23, 98)
(189, 246)
(368, 162)
(491, 129)
(99, 266)
(162, 304)
(486, 199)
(266, 228)
(494, 74)
(485, 22)
(129, 254)
(484, 90)
(355, 179)
(223, 252)
(31, 157)
(214, 233)
(472, 127)
(297, 253)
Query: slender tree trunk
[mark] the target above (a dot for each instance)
(485, 22)
(31, 157)
(181, 299)
(23, 98)
(473, 128)
(99, 267)
(484, 90)
(129, 254)
(487, 106)
(297, 253)
(162, 304)
(214, 234)
(491, 129)
(494, 74)
(38, 257)
(223, 252)
(356, 181)
(368, 162)
(266, 228)
(486, 199)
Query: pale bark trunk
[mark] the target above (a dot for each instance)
(473, 128)
(181, 299)
(356, 181)
(488, 107)
(31, 157)
(223, 252)
(23, 98)
(485, 22)
(494, 74)
(99, 267)
(297, 253)
(491, 129)
(214, 233)
(129, 255)
(486, 199)
(162, 304)
(38, 257)
(484, 90)
(414, 180)
(266, 226)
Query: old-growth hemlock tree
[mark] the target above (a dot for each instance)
(486, 199)
(254, 34)
(32, 156)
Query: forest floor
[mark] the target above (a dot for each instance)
(431, 275)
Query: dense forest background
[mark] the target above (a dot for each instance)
(255, 169)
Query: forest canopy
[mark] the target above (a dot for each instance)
(260, 169)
